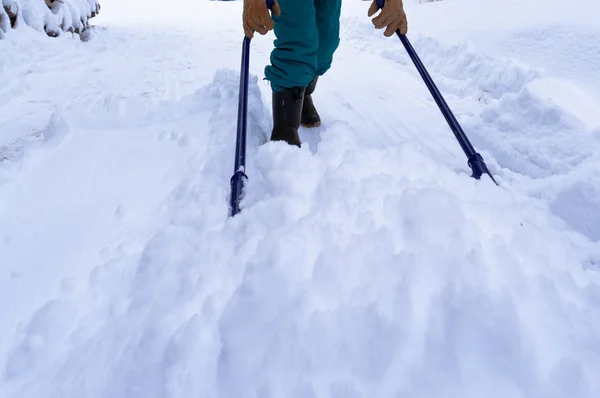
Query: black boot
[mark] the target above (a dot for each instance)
(310, 116)
(287, 110)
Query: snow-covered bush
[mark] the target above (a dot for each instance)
(50, 16)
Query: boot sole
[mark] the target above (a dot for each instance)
(310, 126)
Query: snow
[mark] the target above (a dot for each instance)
(365, 264)
(61, 14)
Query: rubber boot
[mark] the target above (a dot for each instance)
(287, 111)
(310, 116)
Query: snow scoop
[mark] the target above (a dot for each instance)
(239, 177)
(474, 159)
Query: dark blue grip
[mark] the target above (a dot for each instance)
(270, 3)
(380, 3)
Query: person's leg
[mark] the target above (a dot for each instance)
(310, 117)
(293, 65)
(294, 58)
(328, 27)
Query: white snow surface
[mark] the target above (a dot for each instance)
(37, 15)
(365, 264)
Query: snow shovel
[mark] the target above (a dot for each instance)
(239, 177)
(474, 159)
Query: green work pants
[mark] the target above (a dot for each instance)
(307, 34)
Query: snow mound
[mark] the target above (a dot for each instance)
(50, 16)
(364, 264)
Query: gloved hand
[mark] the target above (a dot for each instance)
(256, 17)
(392, 17)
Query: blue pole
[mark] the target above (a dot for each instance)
(239, 177)
(474, 159)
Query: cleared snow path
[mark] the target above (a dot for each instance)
(366, 264)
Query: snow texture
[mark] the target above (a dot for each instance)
(365, 264)
(50, 16)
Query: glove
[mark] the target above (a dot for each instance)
(392, 17)
(256, 17)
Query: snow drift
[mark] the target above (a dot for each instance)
(50, 16)
(367, 264)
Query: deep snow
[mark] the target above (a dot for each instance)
(366, 264)
(61, 15)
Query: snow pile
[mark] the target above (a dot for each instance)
(365, 264)
(51, 16)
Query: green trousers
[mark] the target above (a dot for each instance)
(307, 34)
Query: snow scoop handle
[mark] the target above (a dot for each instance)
(239, 177)
(239, 172)
(474, 159)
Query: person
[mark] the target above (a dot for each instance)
(307, 35)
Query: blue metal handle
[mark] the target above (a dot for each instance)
(474, 159)
(239, 176)
(239, 173)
